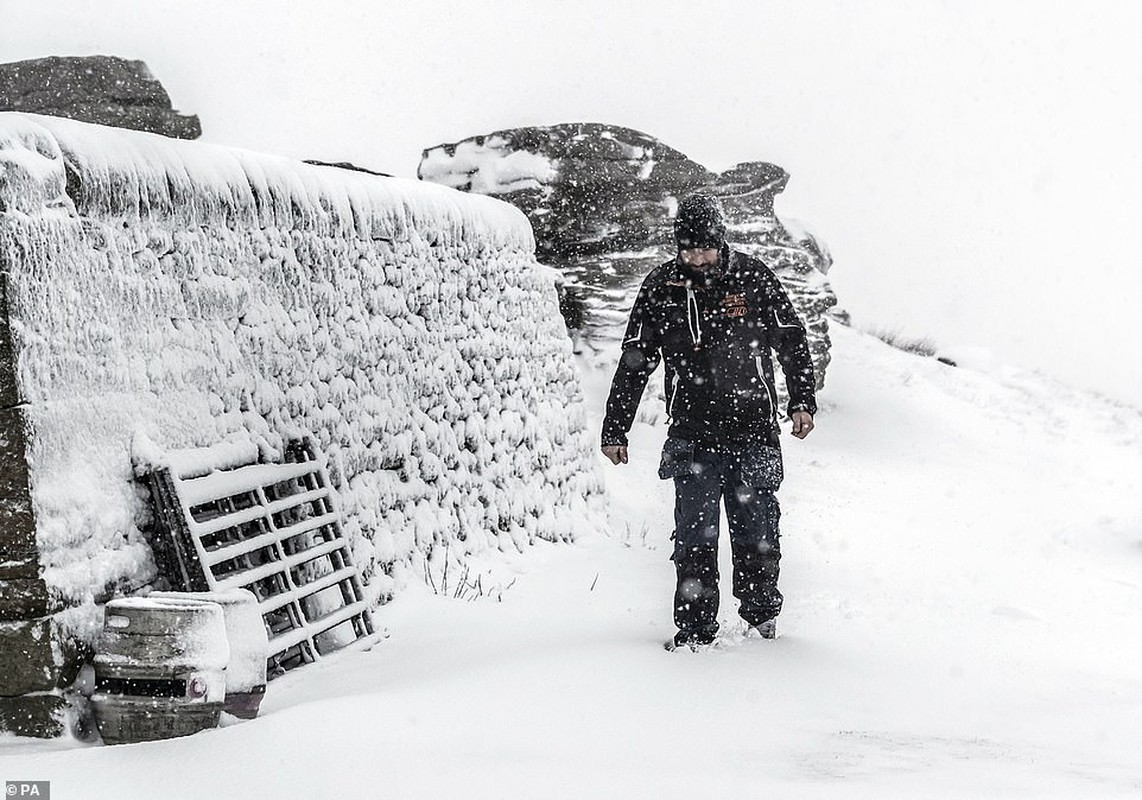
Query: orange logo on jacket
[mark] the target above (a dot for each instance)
(734, 305)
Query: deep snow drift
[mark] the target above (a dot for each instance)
(961, 570)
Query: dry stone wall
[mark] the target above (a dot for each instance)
(166, 295)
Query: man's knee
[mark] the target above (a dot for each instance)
(761, 552)
(695, 558)
(695, 513)
(697, 568)
(755, 521)
(698, 533)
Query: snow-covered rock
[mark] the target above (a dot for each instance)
(179, 295)
(601, 199)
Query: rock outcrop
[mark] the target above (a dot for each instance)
(601, 200)
(104, 90)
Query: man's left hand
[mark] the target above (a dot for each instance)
(802, 424)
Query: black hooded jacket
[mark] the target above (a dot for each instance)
(714, 330)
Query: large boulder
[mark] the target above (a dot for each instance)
(104, 90)
(601, 200)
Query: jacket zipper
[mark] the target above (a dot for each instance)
(768, 394)
(693, 317)
(673, 396)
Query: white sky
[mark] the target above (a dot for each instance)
(974, 166)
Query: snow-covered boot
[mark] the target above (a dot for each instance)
(767, 629)
(691, 640)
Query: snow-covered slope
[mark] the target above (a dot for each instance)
(962, 573)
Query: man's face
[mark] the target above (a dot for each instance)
(699, 259)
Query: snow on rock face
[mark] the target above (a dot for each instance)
(468, 167)
(193, 295)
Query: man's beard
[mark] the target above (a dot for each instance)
(701, 276)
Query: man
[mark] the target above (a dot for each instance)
(713, 314)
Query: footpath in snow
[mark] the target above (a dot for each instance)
(963, 579)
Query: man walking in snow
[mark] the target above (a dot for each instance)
(713, 315)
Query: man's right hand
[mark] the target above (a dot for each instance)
(617, 453)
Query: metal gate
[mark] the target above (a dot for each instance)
(274, 529)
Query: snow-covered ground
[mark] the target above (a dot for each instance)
(963, 580)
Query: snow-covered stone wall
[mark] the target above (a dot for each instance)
(186, 294)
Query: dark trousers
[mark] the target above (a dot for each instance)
(753, 516)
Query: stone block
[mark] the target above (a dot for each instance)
(40, 715)
(36, 656)
(9, 393)
(25, 599)
(17, 522)
(19, 566)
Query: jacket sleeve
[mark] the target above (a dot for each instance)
(640, 356)
(792, 346)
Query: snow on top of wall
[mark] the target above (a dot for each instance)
(114, 172)
(32, 176)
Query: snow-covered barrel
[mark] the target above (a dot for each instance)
(160, 669)
(249, 646)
